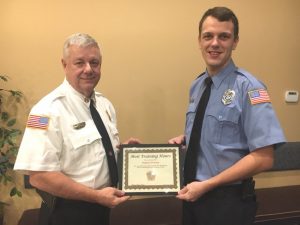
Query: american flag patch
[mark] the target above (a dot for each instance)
(40, 122)
(259, 96)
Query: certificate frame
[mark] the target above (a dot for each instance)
(150, 169)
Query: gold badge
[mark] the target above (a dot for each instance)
(79, 125)
(228, 96)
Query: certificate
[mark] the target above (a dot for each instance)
(149, 169)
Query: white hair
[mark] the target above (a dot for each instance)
(79, 39)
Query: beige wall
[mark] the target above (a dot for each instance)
(150, 57)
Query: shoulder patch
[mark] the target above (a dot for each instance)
(258, 96)
(36, 121)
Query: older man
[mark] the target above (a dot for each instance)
(69, 156)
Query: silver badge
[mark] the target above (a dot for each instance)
(228, 96)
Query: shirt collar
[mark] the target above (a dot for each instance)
(219, 77)
(79, 95)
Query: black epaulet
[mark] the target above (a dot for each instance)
(200, 75)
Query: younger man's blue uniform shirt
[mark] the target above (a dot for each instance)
(242, 122)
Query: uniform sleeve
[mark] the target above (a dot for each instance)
(261, 125)
(40, 146)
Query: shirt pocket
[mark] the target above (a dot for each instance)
(224, 126)
(84, 148)
(190, 117)
(114, 134)
(85, 136)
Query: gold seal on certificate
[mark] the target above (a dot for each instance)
(149, 169)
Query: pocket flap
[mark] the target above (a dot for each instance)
(85, 135)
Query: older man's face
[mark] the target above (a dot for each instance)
(83, 68)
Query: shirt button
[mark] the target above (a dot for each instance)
(88, 140)
(220, 117)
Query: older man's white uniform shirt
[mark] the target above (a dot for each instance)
(61, 136)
